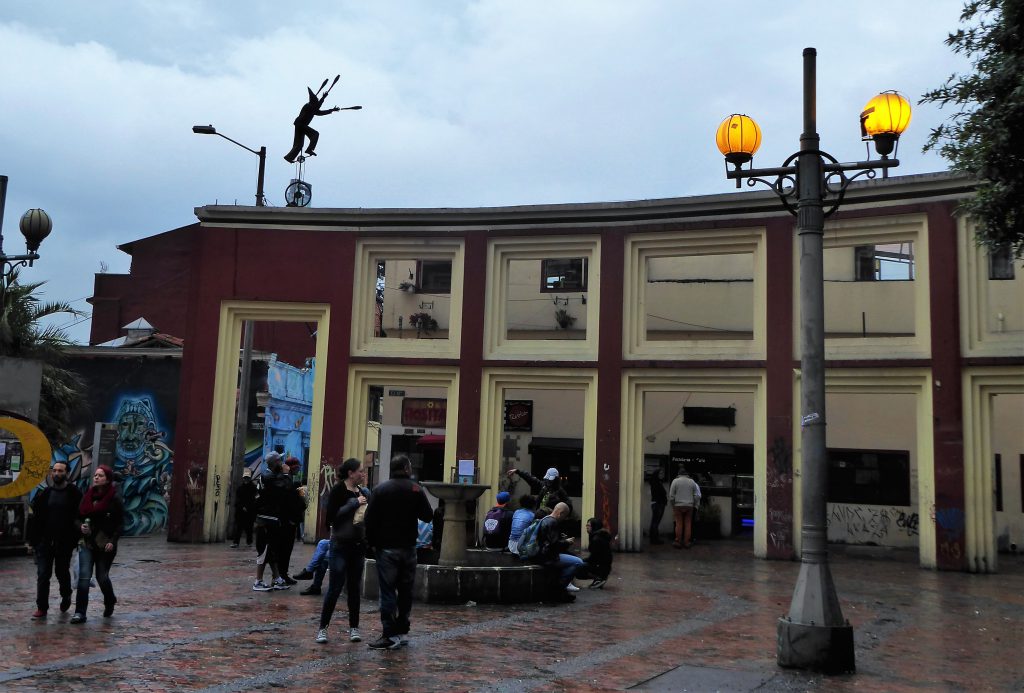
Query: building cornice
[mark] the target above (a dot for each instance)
(899, 190)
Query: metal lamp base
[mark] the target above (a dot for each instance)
(828, 649)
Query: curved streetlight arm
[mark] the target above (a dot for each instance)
(262, 154)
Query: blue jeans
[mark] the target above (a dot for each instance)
(568, 565)
(396, 572)
(52, 557)
(320, 562)
(346, 566)
(89, 557)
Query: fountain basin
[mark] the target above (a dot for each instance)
(511, 583)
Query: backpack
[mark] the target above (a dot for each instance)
(492, 521)
(529, 541)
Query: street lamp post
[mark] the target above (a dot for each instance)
(245, 375)
(262, 154)
(814, 635)
(35, 227)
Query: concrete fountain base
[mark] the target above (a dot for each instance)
(488, 578)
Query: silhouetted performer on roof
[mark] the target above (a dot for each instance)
(302, 130)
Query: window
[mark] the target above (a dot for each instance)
(869, 477)
(890, 262)
(564, 274)
(1000, 263)
(435, 276)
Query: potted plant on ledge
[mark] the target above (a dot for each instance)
(408, 287)
(423, 322)
(564, 318)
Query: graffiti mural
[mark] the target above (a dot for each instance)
(143, 460)
(142, 464)
(131, 407)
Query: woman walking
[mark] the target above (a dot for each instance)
(102, 519)
(346, 505)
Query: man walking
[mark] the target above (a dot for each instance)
(392, 528)
(55, 533)
(684, 496)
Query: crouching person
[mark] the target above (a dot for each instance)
(598, 565)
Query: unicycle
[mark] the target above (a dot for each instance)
(299, 193)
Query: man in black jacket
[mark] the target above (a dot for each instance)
(273, 509)
(554, 547)
(392, 528)
(55, 533)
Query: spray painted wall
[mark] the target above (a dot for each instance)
(139, 397)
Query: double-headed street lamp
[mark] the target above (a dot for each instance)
(262, 154)
(35, 227)
(814, 635)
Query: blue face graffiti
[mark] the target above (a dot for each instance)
(142, 464)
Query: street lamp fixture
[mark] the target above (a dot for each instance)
(884, 119)
(35, 226)
(814, 635)
(738, 138)
(262, 154)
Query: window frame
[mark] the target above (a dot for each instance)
(579, 287)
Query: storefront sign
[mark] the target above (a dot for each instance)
(519, 415)
(424, 411)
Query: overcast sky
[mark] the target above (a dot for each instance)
(493, 102)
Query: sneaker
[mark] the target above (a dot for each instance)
(354, 636)
(386, 643)
(233, 546)
(311, 590)
(403, 640)
(321, 635)
(287, 579)
(260, 586)
(597, 584)
(304, 575)
(39, 613)
(65, 603)
(78, 618)
(571, 588)
(280, 584)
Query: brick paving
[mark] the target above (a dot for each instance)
(668, 620)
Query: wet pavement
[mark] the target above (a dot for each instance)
(669, 620)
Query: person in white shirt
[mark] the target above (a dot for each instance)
(684, 497)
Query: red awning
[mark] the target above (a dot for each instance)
(430, 440)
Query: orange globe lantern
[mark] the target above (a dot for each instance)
(738, 138)
(884, 119)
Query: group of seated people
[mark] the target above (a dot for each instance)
(504, 528)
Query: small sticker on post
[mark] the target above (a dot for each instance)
(808, 419)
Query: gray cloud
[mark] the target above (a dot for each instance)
(466, 103)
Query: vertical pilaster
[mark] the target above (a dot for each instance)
(609, 379)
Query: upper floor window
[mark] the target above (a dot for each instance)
(1000, 262)
(435, 276)
(890, 262)
(563, 274)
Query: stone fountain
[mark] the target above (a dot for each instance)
(462, 574)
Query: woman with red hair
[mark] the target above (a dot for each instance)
(101, 516)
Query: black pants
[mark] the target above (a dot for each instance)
(284, 542)
(52, 557)
(657, 512)
(301, 133)
(345, 568)
(396, 572)
(243, 523)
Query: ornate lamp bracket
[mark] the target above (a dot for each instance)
(837, 177)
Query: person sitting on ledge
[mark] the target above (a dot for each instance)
(598, 564)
